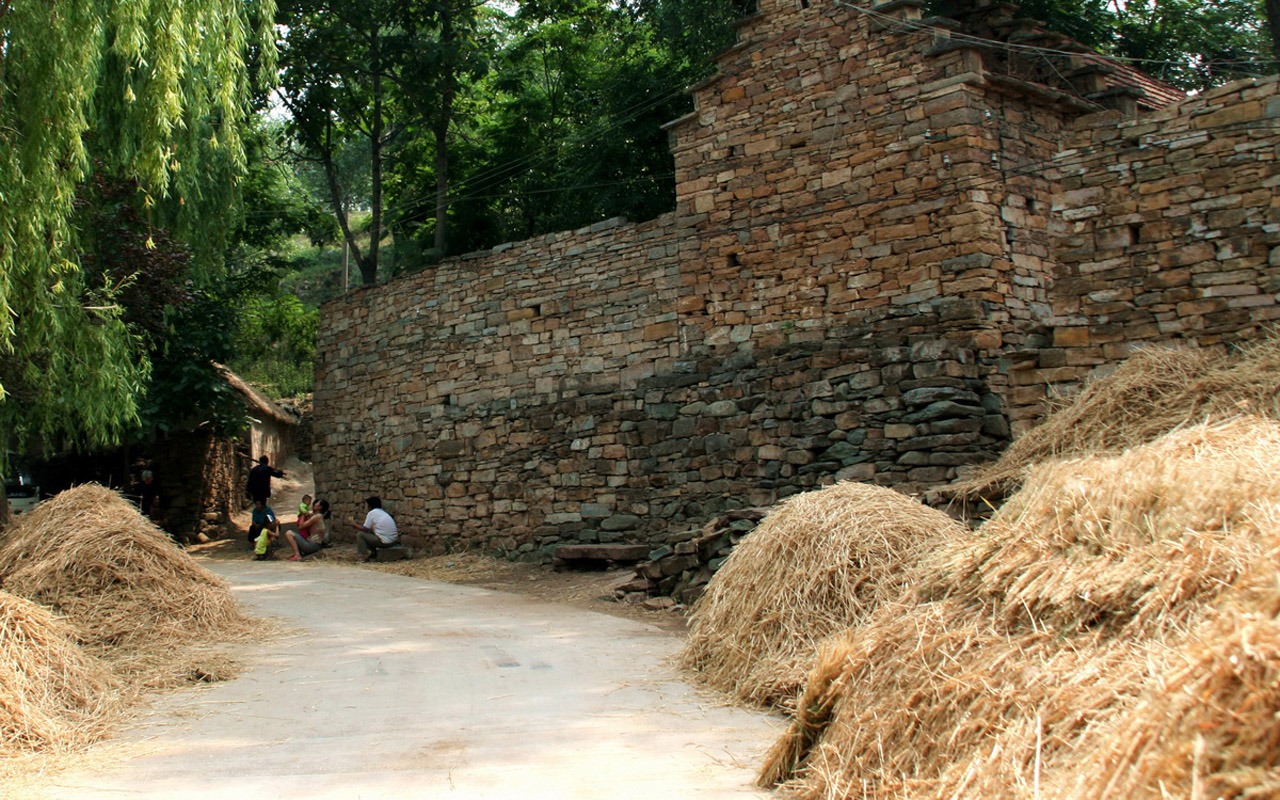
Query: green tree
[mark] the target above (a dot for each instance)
(337, 59)
(572, 129)
(357, 75)
(1193, 44)
(277, 344)
(152, 94)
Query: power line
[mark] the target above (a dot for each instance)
(495, 174)
(1012, 47)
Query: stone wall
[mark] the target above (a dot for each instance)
(1167, 230)
(475, 399)
(881, 256)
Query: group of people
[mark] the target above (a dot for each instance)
(310, 535)
(312, 531)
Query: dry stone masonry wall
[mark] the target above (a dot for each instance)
(1167, 229)
(885, 255)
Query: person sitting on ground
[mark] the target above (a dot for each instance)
(378, 531)
(317, 524)
(263, 528)
(309, 537)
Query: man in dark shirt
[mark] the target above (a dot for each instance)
(148, 494)
(259, 485)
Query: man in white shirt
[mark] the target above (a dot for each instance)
(378, 531)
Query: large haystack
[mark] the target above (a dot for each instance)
(53, 695)
(1208, 727)
(1024, 641)
(936, 701)
(1155, 391)
(818, 563)
(1127, 541)
(129, 592)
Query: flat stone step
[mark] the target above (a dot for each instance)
(395, 553)
(602, 552)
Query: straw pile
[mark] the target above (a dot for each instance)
(1155, 391)
(53, 695)
(1019, 644)
(129, 593)
(1208, 729)
(818, 563)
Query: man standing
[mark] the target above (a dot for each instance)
(148, 495)
(259, 485)
(378, 531)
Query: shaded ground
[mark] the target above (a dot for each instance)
(581, 589)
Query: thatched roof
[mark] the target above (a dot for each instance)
(257, 402)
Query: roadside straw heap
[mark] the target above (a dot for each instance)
(1019, 647)
(817, 564)
(129, 594)
(1155, 391)
(1208, 728)
(53, 695)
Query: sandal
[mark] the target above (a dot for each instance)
(295, 558)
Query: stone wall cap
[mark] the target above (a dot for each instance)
(1038, 91)
(894, 5)
(678, 121)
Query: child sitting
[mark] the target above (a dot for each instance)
(266, 527)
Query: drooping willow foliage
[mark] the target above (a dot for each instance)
(153, 92)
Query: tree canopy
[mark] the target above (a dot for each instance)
(1193, 44)
(150, 97)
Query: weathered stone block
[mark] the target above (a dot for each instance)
(393, 553)
(602, 552)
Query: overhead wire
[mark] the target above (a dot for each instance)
(922, 26)
(496, 174)
(958, 36)
(492, 176)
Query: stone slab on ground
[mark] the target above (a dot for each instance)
(394, 553)
(612, 553)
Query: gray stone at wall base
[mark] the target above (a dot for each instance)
(602, 552)
(927, 395)
(620, 522)
(661, 552)
(996, 425)
(944, 409)
(394, 553)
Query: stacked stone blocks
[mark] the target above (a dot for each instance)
(882, 262)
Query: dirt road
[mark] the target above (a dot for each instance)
(387, 686)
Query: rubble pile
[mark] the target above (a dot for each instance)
(676, 573)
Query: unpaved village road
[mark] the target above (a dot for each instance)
(391, 687)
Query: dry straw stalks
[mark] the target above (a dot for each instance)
(96, 597)
(1157, 390)
(52, 693)
(1075, 646)
(818, 563)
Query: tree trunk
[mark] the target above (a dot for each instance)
(339, 206)
(1273, 28)
(445, 115)
(369, 265)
